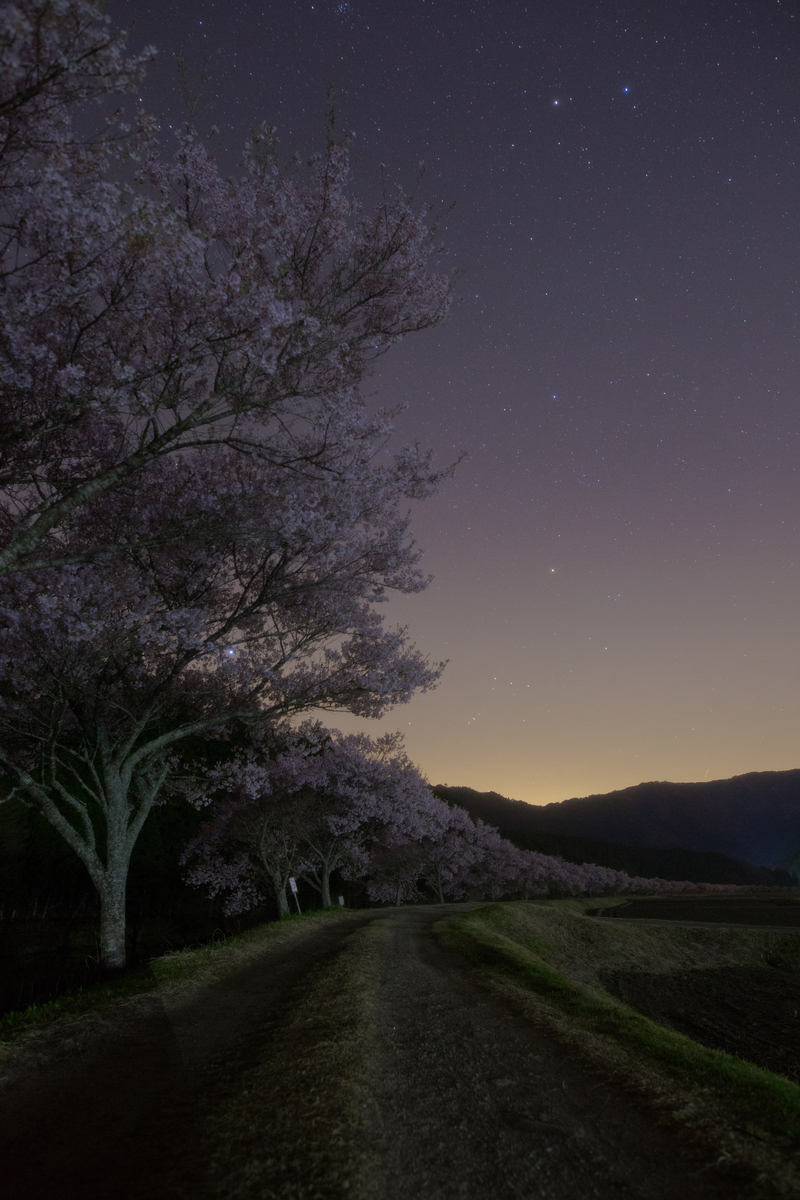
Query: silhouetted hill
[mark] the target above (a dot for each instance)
(752, 818)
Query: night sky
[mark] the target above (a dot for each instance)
(616, 581)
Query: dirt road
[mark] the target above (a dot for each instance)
(116, 1105)
(465, 1097)
(471, 1100)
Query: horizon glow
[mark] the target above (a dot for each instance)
(615, 569)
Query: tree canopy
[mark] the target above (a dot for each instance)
(198, 515)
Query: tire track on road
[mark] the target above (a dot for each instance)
(127, 1102)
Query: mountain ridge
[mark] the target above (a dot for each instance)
(753, 818)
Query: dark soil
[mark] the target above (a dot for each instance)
(777, 911)
(750, 1012)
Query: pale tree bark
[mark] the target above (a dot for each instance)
(320, 880)
(123, 799)
(280, 895)
(279, 881)
(433, 877)
(278, 854)
(329, 852)
(112, 922)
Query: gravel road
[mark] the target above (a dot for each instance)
(468, 1098)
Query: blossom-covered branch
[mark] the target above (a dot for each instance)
(180, 310)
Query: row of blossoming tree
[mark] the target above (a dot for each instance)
(199, 515)
(309, 801)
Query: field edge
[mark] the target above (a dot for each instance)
(737, 1114)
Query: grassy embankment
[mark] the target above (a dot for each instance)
(547, 958)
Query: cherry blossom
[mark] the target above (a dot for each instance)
(109, 665)
(198, 515)
(167, 308)
(310, 805)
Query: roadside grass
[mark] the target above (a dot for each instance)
(547, 957)
(190, 967)
(76, 1003)
(205, 964)
(297, 1129)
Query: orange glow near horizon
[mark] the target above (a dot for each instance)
(615, 568)
(689, 674)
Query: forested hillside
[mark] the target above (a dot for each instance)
(720, 832)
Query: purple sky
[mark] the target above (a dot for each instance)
(615, 567)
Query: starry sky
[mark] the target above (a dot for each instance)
(616, 566)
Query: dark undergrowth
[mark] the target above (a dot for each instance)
(143, 977)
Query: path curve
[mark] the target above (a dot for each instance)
(467, 1098)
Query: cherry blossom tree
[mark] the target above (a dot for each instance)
(457, 856)
(107, 667)
(178, 310)
(449, 850)
(198, 516)
(250, 849)
(357, 790)
(325, 795)
(395, 870)
(497, 865)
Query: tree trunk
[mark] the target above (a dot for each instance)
(279, 885)
(439, 886)
(112, 922)
(325, 889)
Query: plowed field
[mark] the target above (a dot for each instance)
(751, 1012)
(781, 911)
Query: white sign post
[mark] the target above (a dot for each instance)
(293, 886)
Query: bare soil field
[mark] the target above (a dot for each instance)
(778, 911)
(747, 1011)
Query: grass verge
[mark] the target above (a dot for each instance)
(296, 1131)
(203, 964)
(749, 1115)
(584, 950)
